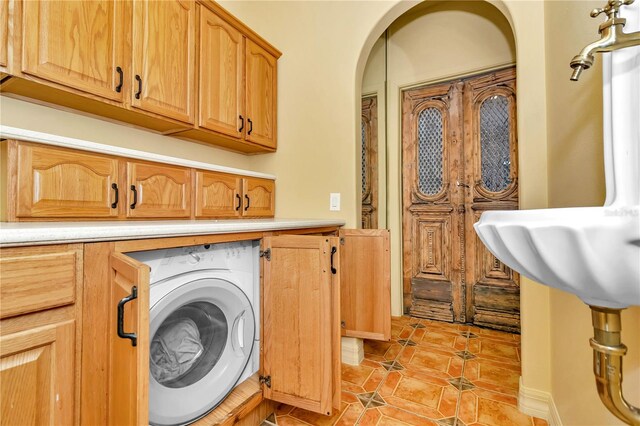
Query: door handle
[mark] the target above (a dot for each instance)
(239, 198)
(333, 269)
(121, 303)
(458, 183)
(250, 126)
(114, 186)
(135, 197)
(246, 197)
(241, 123)
(139, 92)
(121, 74)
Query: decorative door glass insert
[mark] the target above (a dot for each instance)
(495, 143)
(363, 127)
(430, 151)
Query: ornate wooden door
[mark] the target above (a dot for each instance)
(432, 220)
(369, 128)
(459, 159)
(491, 178)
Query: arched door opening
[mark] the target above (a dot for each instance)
(444, 81)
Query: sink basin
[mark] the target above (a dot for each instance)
(592, 252)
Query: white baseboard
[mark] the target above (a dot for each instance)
(352, 352)
(538, 404)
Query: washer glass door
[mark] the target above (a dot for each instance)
(202, 335)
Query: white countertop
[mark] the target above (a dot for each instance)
(39, 233)
(7, 132)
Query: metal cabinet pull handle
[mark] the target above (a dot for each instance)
(241, 123)
(121, 74)
(250, 126)
(246, 197)
(114, 186)
(139, 92)
(333, 251)
(121, 303)
(135, 197)
(239, 198)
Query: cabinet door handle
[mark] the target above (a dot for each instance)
(239, 198)
(246, 197)
(121, 303)
(333, 269)
(139, 92)
(114, 186)
(241, 123)
(250, 126)
(121, 74)
(135, 197)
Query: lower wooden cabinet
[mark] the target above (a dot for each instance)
(41, 289)
(302, 283)
(37, 372)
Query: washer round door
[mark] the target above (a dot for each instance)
(202, 334)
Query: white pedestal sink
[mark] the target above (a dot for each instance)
(592, 252)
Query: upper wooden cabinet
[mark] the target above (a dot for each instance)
(164, 57)
(78, 44)
(218, 195)
(185, 68)
(261, 75)
(158, 191)
(53, 182)
(259, 197)
(221, 76)
(4, 34)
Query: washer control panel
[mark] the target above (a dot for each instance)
(240, 256)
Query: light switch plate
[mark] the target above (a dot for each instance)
(334, 201)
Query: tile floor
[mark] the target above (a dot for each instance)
(430, 373)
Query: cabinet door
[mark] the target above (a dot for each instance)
(259, 197)
(75, 43)
(59, 183)
(156, 190)
(129, 362)
(261, 75)
(300, 353)
(4, 34)
(365, 283)
(217, 195)
(37, 372)
(164, 57)
(221, 83)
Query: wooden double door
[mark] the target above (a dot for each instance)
(459, 160)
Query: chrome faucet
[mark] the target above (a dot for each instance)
(613, 38)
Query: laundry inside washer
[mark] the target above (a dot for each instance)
(203, 327)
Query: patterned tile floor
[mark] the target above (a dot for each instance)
(430, 373)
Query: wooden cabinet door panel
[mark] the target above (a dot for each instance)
(163, 79)
(259, 197)
(298, 325)
(156, 190)
(365, 281)
(221, 83)
(75, 43)
(37, 372)
(59, 183)
(261, 76)
(217, 195)
(4, 33)
(129, 364)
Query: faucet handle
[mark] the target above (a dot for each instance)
(611, 9)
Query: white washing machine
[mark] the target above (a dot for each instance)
(204, 326)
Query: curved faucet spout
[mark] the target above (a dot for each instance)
(612, 38)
